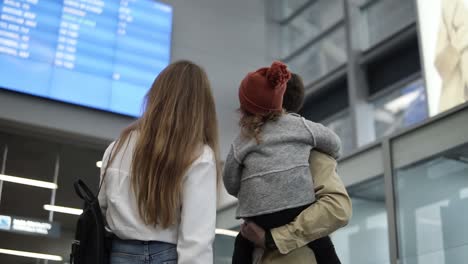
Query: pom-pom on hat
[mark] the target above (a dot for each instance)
(261, 92)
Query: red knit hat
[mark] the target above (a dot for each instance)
(261, 92)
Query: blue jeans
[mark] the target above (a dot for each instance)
(141, 252)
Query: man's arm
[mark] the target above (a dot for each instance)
(331, 211)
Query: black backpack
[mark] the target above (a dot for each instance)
(92, 242)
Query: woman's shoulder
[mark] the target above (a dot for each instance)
(206, 155)
(205, 160)
(108, 150)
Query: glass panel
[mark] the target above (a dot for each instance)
(223, 249)
(382, 18)
(401, 108)
(322, 57)
(285, 8)
(432, 209)
(311, 22)
(341, 124)
(368, 228)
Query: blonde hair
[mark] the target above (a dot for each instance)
(179, 118)
(252, 124)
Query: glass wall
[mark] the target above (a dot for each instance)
(400, 108)
(286, 8)
(321, 57)
(432, 209)
(223, 249)
(313, 20)
(368, 227)
(310, 35)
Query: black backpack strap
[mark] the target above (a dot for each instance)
(83, 191)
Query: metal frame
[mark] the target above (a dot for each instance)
(321, 84)
(391, 88)
(390, 201)
(386, 45)
(296, 13)
(321, 36)
(54, 191)
(363, 125)
(3, 168)
(368, 4)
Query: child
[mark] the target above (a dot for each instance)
(267, 168)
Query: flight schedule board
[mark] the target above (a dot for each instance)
(102, 54)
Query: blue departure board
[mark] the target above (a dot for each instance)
(102, 54)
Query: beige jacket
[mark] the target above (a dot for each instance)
(331, 211)
(451, 60)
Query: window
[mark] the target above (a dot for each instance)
(380, 19)
(311, 22)
(330, 107)
(368, 228)
(321, 57)
(432, 209)
(308, 35)
(399, 109)
(285, 8)
(400, 62)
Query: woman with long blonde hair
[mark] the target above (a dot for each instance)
(160, 176)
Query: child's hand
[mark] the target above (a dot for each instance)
(254, 233)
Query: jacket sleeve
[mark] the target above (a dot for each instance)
(331, 211)
(198, 215)
(324, 139)
(232, 173)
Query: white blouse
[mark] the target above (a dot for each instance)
(195, 231)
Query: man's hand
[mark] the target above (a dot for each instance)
(254, 233)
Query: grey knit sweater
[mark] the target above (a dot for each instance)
(274, 175)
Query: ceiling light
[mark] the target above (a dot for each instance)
(226, 232)
(25, 181)
(30, 254)
(63, 210)
(99, 164)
